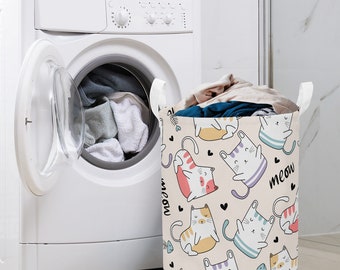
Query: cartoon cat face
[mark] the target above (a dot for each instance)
(246, 161)
(275, 129)
(200, 215)
(252, 232)
(283, 261)
(194, 181)
(255, 225)
(201, 235)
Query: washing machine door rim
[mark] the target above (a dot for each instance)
(49, 118)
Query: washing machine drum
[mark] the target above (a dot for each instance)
(120, 128)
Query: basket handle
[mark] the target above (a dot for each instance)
(305, 96)
(157, 96)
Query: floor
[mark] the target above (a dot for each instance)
(319, 252)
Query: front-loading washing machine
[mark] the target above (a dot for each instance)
(79, 211)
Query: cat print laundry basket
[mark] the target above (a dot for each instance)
(230, 194)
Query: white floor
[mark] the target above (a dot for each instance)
(319, 252)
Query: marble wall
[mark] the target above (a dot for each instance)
(305, 47)
(229, 34)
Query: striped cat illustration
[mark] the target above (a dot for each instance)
(211, 129)
(274, 131)
(283, 261)
(289, 219)
(252, 232)
(228, 264)
(194, 181)
(201, 235)
(247, 162)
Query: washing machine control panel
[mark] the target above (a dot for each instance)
(141, 16)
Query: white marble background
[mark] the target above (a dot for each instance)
(306, 47)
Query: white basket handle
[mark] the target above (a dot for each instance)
(157, 96)
(305, 96)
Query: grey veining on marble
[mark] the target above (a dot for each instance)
(305, 47)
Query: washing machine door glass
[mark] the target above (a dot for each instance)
(49, 128)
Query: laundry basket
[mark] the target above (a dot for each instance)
(230, 191)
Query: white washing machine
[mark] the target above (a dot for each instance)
(78, 211)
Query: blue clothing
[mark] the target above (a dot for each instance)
(223, 109)
(105, 80)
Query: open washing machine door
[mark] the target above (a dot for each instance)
(49, 118)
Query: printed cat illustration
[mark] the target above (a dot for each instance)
(283, 261)
(274, 131)
(252, 232)
(228, 264)
(247, 162)
(201, 235)
(211, 129)
(194, 181)
(289, 219)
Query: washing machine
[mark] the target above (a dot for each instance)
(78, 211)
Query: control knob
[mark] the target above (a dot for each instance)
(151, 18)
(167, 18)
(122, 17)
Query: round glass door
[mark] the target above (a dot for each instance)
(67, 120)
(49, 128)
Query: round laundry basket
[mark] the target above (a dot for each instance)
(230, 191)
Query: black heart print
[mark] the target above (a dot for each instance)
(292, 186)
(224, 206)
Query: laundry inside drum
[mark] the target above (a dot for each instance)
(120, 128)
